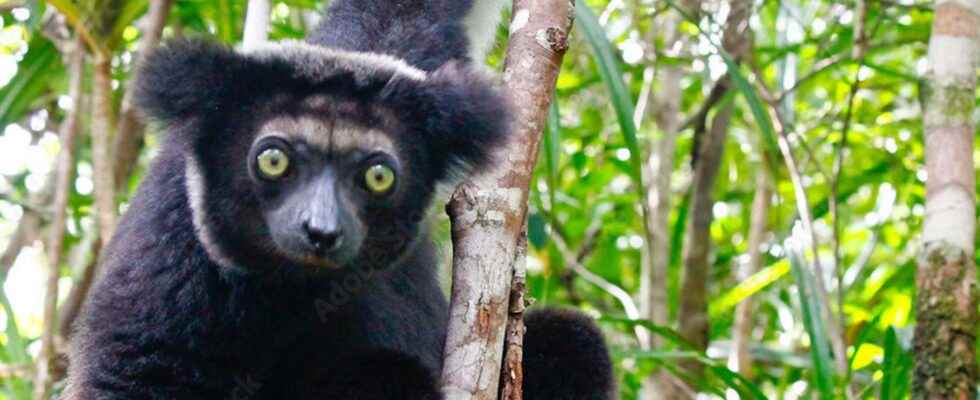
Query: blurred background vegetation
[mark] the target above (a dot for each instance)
(656, 165)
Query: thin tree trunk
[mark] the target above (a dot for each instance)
(693, 312)
(512, 385)
(256, 23)
(659, 169)
(126, 149)
(26, 232)
(489, 212)
(29, 226)
(742, 330)
(946, 307)
(129, 135)
(72, 305)
(102, 127)
(65, 175)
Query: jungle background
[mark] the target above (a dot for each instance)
(734, 189)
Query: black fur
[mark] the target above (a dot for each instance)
(458, 112)
(426, 33)
(171, 318)
(565, 358)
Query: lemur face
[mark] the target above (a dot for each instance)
(321, 181)
(305, 156)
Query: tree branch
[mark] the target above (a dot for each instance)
(65, 173)
(130, 129)
(489, 212)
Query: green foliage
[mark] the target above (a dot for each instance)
(39, 68)
(589, 185)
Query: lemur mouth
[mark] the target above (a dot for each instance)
(322, 262)
(311, 259)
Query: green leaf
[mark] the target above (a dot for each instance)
(814, 323)
(612, 75)
(745, 388)
(226, 17)
(16, 346)
(35, 74)
(131, 10)
(552, 151)
(896, 367)
(760, 111)
(750, 286)
(37, 8)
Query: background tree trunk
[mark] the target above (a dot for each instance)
(946, 307)
(489, 212)
(741, 360)
(659, 168)
(693, 311)
(256, 23)
(129, 135)
(65, 173)
(103, 124)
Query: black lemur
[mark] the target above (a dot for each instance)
(277, 247)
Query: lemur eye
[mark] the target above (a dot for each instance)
(379, 178)
(273, 163)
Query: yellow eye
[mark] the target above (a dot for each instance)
(379, 178)
(273, 163)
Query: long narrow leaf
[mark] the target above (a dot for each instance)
(745, 388)
(895, 369)
(759, 110)
(552, 151)
(612, 75)
(813, 321)
(750, 286)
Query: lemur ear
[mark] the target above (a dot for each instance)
(467, 118)
(186, 77)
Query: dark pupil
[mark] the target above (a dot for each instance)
(274, 161)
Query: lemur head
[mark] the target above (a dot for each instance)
(316, 157)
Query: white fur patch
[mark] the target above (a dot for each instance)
(338, 136)
(320, 62)
(195, 196)
(481, 27)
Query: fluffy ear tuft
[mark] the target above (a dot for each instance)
(468, 118)
(185, 77)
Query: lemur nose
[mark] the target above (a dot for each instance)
(323, 240)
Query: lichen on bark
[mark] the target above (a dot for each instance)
(946, 326)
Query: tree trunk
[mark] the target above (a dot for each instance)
(489, 212)
(693, 312)
(659, 170)
(256, 23)
(946, 307)
(65, 172)
(129, 135)
(742, 330)
(102, 127)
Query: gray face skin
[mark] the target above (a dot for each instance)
(314, 179)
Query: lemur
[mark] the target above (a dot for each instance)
(277, 247)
